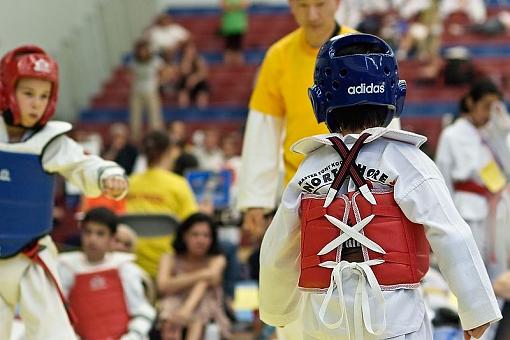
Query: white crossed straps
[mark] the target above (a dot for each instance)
(366, 295)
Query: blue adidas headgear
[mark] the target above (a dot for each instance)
(356, 79)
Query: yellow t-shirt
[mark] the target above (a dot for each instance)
(158, 191)
(162, 192)
(282, 91)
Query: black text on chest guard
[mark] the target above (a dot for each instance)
(312, 182)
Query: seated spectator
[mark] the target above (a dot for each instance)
(146, 69)
(422, 38)
(475, 10)
(177, 131)
(461, 16)
(120, 150)
(167, 35)
(169, 79)
(234, 24)
(459, 68)
(230, 147)
(190, 282)
(193, 88)
(95, 274)
(124, 239)
(209, 154)
(375, 17)
(185, 160)
(157, 190)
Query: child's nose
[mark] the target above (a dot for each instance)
(34, 102)
(313, 13)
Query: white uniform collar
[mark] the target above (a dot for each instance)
(57, 126)
(310, 144)
(3, 131)
(77, 262)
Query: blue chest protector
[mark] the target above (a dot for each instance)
(26, 201)
(26, 190)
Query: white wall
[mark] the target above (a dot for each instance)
(87, 37)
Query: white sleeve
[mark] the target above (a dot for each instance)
(66, 157)
(444, 160)
(261, 159)
(141, 312)
(279, 295)
(66, 277)
(429, 203)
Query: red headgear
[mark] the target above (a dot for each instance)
(26, 61)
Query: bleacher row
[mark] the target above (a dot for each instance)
(231, 85)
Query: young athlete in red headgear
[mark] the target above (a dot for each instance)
(32, 149)
(350, 242)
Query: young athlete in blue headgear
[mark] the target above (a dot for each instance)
(350, 242)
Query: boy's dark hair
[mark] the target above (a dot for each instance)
(154, 145)
(463, 104)
(359, 117)
(180, 246)
(103, 216)
(481, 88)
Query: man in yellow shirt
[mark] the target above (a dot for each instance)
(280, 111)
(281, 114)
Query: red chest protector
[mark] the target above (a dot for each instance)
(407, 250)
(406, 258)
(98, 301)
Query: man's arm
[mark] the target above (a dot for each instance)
(260, 166)
(261, 159)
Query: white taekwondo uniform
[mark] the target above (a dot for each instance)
(390, 158)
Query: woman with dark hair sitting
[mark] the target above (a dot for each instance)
(190, 281)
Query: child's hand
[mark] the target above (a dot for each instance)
(115, 186)
(476, 332)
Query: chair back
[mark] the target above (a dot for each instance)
(149, 225)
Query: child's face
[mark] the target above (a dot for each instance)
(481, 110)
(32, 96)
(95, 240)
(123, 241)
(198, 239)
